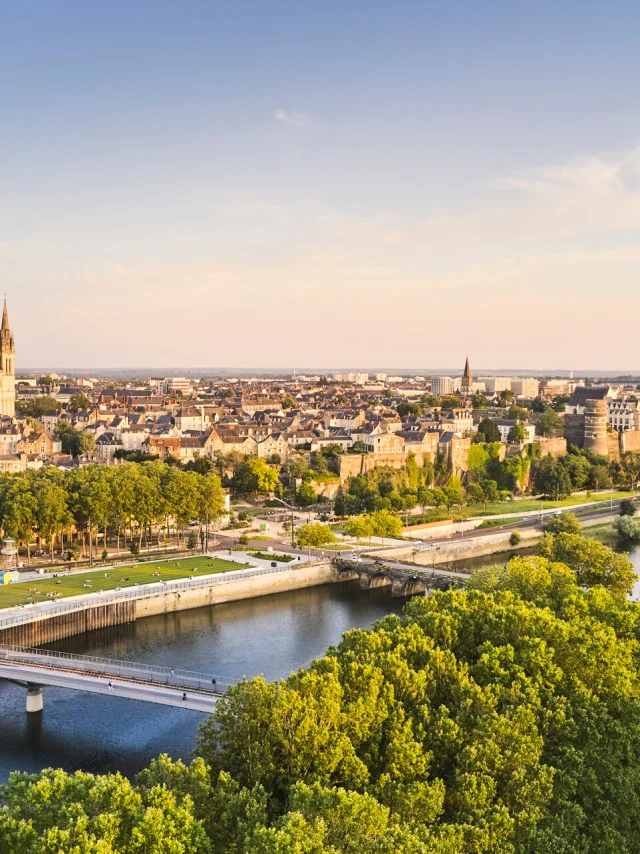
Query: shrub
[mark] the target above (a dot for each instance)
(627, 529)
(627, 508)
(515, 538)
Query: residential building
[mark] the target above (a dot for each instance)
(441, 386)
(494, 385)
(528, 387)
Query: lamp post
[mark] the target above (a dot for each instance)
(290, 507)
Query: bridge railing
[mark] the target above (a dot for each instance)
(142, 591)
(116, 667)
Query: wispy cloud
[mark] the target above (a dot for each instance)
(292, 117)
(596, 175)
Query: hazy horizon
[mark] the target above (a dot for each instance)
(284, 183)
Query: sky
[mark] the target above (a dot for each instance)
(321, 182)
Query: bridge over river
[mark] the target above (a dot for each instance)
(37, 668)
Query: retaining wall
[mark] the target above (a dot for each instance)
(42, 628)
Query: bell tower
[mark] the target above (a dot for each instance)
(7, 367)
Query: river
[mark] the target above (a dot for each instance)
(272, 635)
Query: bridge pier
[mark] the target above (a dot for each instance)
(34, 698)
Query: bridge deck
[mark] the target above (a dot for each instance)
(133, 681)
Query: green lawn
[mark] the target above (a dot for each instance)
(526, 505)
(73, 585)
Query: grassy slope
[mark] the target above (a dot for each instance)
(73, 585)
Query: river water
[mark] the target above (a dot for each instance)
(272, 635)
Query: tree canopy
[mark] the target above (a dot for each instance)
(500, 719)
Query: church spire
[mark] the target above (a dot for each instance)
(467, 369)
(5, 317)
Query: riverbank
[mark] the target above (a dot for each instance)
(53, 621)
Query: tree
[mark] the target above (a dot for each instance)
(516, 435)
(384, 524)
(593, 562)
(506, 396)
(552, 479)
(403, 409)
(627, 507)
(630, 462)
(314, 535)
(627, 529)
(254, 475)
(564, 523)
(37, 406)
(480, 401)
(78, 401)
(306, 495)
(359, 527)
(518, 413)
(489, 431)
(550, 423)
(514, 539)
(449, 402)
(52, 515)
(74, 442)
(475, 494)
(288, 402)
(56, 811)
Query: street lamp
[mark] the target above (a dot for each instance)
(290, 506)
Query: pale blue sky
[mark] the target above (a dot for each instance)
(321, 183)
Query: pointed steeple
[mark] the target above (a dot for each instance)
(467, 369)
(5, 317)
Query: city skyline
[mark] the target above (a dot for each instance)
(244, 185)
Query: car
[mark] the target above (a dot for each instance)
(355, 558)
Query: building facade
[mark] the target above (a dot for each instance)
(7, 367)
(441, 386)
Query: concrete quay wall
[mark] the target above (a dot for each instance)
(41, 628)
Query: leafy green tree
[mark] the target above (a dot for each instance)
(475, 494)
(516, 435)
(254, 475)
(314, 535)
(384, 524)
(359, 527)
(593, 562)
(518, 413)
(306, 495)
(480, 401)
(78, 401)
(552, 479)
(74, 442)
(37, 406)
(627, 529)
(58, 812)
(488, 430)
(18, 510)
(564, 523)
(627, 507)
(52, 515)
(449, 401)
(288, 402)
(550, 423)
(506, 396)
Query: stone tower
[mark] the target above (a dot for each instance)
(466, 386)
(7, 367)
(595, 426)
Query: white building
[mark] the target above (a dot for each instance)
(504, 426)
(623, 415)
(494, 385)
(441, 386)
(527, 387)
